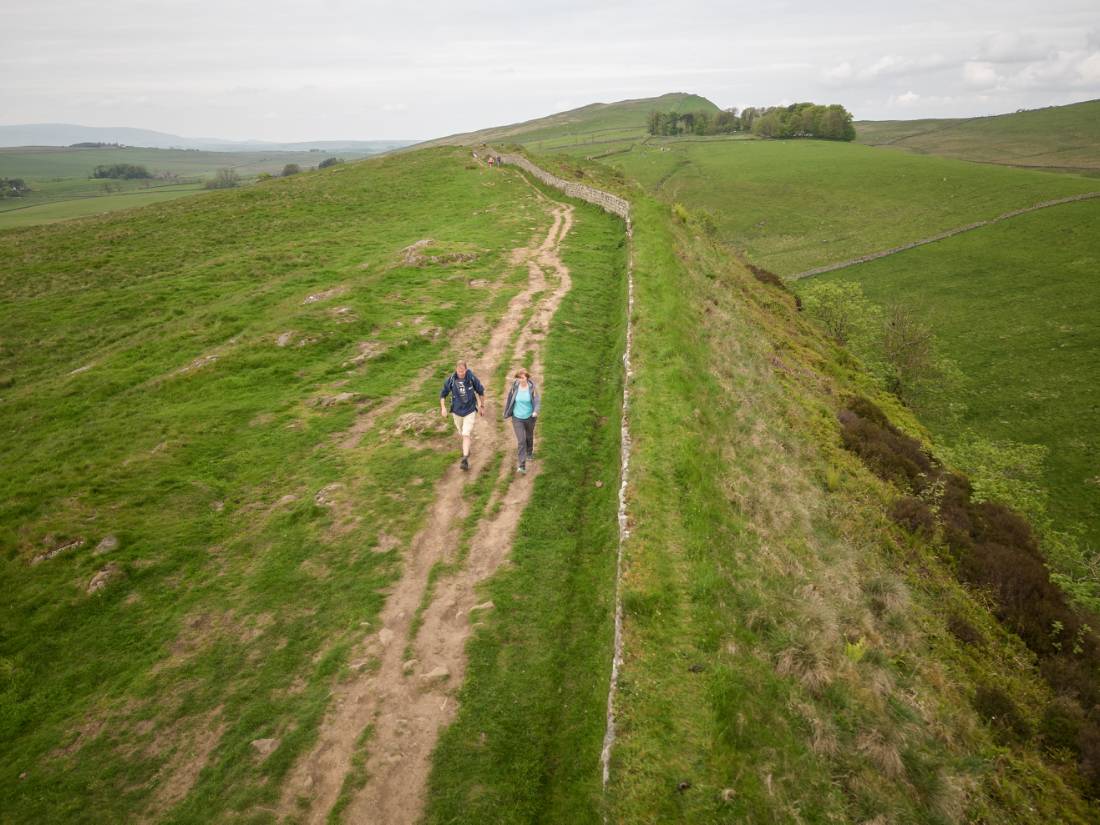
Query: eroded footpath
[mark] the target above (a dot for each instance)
(390, 714)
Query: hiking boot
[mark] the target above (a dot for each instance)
(465, 465)
(521, 469)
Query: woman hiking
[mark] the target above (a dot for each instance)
(522, 407)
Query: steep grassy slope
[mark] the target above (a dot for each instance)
(789, 656)
(1015, 305)
(794, 205)
(595, 124)
(191, 542)
(1057, 137)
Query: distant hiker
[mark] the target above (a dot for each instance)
(492, 160)
(467, 400)
(522, 407)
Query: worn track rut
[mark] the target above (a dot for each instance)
(404, 706)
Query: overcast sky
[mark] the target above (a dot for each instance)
(357, 69)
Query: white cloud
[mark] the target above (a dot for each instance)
(980, 74)
(906, 99)
(1011, 47)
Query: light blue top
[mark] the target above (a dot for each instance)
(523, 409)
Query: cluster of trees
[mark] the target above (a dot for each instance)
(13, 188)
(123, 171)
(832, 122)
(224, 179)
(893, 343)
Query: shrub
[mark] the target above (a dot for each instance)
(13, 188)
(962, 630)
(995, 550)
(224, 179)
(291, 169)
(914, 515)
(999, 711)
(1062, 724)
(327, 162)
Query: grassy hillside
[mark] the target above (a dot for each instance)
(794, 205)
(1015, 306)
(62, 187)
(597, 124)
(1057, 137)
(192, 546)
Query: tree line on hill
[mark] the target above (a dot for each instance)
(123, 171)
(813, 120)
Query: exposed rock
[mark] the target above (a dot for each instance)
(409, 666)
(479, 283)
(284, 339)
(326, 495)
(410, 255)
(101, 579)
(198, 363)
(420, 423)
(436, 674)
(339, 398)
(728, 794)
(367, 351)
(265, 747)
(79, 370)
(107, 544)
(343, 315)
(217, 506)
(324, 295)
(57, 551)
(385, 636)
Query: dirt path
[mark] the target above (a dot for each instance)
(407, 702)
(874, 256)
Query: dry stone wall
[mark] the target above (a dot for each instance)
(605, 200)
(874, 256)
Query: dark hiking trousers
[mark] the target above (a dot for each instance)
(525, 437)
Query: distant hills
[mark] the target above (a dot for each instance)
(607, 122)
(1056, 137)
(66, 134)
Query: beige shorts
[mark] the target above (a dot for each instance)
(464, 423)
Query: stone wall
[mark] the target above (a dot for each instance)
(605, 200)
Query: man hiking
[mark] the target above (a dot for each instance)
(467, 400)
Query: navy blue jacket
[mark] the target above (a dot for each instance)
(462, 392)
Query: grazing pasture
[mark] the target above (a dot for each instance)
(1059, 138)
(1016, 306)
(797, 204)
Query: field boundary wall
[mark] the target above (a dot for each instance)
(874, 256)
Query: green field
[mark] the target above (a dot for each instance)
(52, 211)
(1015, 305)
(1057, 137)
(793, 205)
(62, 186)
